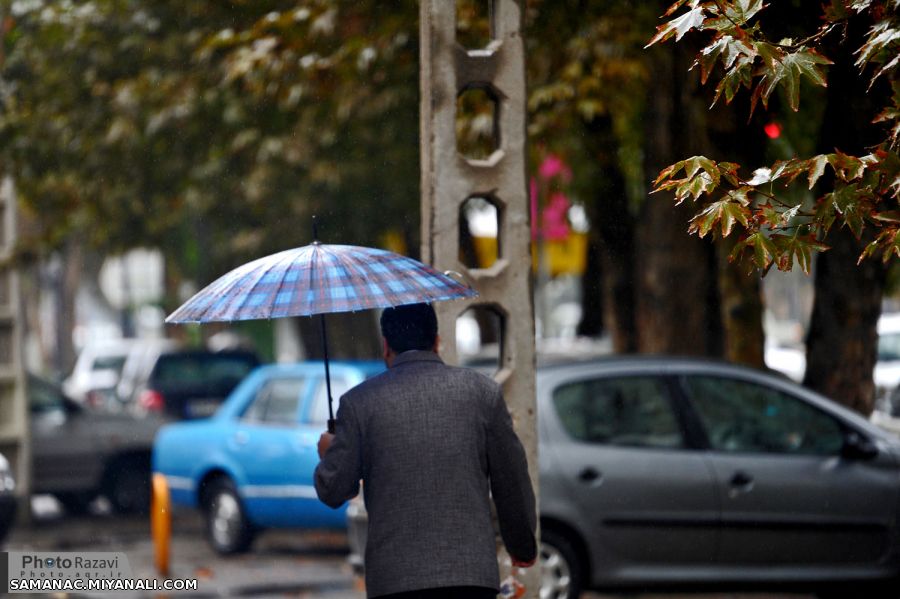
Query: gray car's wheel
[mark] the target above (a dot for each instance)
(561, 571)
(227, 527)
(75, 504)
(128, 486)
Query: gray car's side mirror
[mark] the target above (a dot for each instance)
(858, 447)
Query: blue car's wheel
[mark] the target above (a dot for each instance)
(228, 529)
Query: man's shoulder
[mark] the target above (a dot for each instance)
(463, 376)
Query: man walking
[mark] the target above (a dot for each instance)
(432, 443)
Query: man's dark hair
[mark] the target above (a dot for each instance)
(413, 326)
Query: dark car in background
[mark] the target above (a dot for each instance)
(667, 471)
(79, 454)
(185, 384)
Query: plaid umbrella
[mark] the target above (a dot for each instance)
(319, 279)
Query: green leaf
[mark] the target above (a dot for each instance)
(847, 202)
(697, 186)
(825, 212)
(793, 67)
(740, 75)
(695, 163)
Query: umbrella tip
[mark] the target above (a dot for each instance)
(315, 228)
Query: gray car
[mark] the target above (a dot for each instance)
(665, 471)
(79, 454)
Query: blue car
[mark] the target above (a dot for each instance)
(250, 466)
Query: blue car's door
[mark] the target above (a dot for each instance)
(265, 444)
(314, 421)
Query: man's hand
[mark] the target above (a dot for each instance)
(324, 443)
(520, 564)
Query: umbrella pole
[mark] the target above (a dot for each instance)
(331, 423)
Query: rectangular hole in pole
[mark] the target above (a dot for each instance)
(6, 344)
(474, 23)
(479, 237)
(480, 337)
(477, 132)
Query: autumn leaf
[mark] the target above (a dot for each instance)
(881, 36)
(788, 215)
(891, 216)
(678, 27)
(768, 214)
(675, 6)
(796, 247)
(847, 167)
(887, 243)
(726, 47)
(726, 212)
(763, 250)
(816, 168)
(737, 14)
(701, 176)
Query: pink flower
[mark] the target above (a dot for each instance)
(555, 222)
(553, 166)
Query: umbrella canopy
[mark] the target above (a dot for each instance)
(319, 279)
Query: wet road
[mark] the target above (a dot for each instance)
(281, 564)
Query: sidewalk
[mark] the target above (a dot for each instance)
(282, 563)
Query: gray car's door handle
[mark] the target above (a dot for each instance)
(740, 482)
(590, 475)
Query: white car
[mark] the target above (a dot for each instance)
(97, 370)
(790, 361)
(887, 368)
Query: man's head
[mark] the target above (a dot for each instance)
(413, 326)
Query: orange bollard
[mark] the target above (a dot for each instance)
(161, 523)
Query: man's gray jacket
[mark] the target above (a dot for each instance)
(430, 441)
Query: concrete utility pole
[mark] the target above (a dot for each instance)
(449, 180)
(14, 433)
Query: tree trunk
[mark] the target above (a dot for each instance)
(842, 338)
(741, 300)
(609, 281)
(742, 309)
(594, 320)
(677, 298)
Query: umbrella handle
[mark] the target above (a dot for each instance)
(332, 425)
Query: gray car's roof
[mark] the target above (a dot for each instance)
(553, 370)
